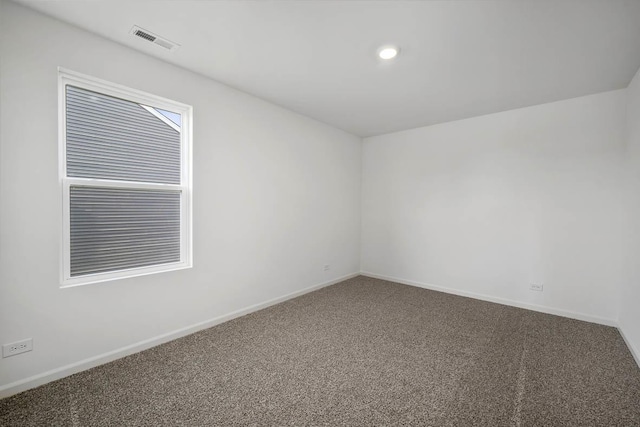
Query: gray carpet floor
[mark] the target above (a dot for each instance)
(364, 352)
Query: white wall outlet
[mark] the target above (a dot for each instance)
(536, 287)
(17, 347)
(327, 267)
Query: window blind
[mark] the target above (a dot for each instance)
(116, 139)
(115, 228)
(112, 226)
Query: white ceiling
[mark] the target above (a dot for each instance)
(459, 58)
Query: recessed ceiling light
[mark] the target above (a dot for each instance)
(388, 52)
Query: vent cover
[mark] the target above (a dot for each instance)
(153, 38)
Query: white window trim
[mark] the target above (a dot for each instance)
(68, 77)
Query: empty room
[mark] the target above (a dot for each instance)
(320, 213)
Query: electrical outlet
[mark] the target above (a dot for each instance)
(17, 347)
(536, 287)
(327, 267)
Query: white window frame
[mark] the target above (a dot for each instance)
(68, 77)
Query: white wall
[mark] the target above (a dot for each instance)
(276, 196)
(630, 298)
(487, 205)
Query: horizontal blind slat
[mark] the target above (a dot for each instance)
(157, 252)
(140, 158)
(115, 126)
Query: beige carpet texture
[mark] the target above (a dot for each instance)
(364, 352)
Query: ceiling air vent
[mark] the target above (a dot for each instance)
(153, 38)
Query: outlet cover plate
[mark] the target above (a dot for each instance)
(17, 347)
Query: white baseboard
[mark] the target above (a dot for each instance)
(634, 351)
(64, 371)
(504, 301)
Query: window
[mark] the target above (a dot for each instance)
(125, 172)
